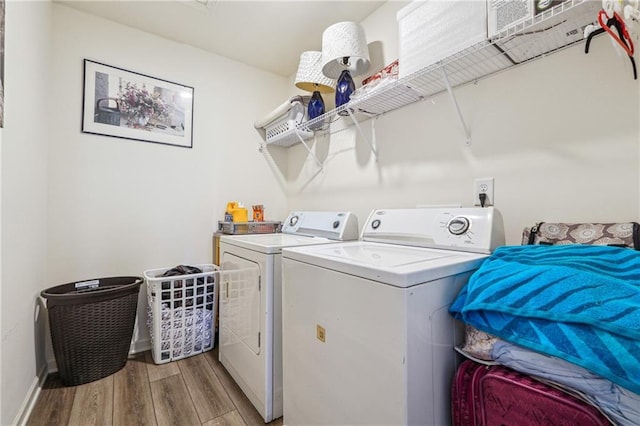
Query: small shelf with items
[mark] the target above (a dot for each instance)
(544, 34)
(551, 31)
(285, 125)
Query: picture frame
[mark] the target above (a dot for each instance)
(129, 105)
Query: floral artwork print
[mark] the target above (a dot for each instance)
(145, 108)
(141, 105)
(129, 105)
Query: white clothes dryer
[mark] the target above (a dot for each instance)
(367, 337)
(250, 340)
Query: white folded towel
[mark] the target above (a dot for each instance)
(278, 112)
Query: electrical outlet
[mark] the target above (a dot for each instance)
(483, 186)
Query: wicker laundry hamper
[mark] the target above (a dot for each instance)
(91, 326)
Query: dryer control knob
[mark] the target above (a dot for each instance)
(336, 223)
(293, 220)
(375, 224)
(458, 225)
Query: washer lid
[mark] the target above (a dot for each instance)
(271, 243)
(400, 266)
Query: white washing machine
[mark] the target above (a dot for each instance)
(367, 337)
(250, 301)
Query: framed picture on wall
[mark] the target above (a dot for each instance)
(129, 105)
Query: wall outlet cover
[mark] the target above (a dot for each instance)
(483, 186)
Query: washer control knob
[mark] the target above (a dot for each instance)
(375, 224)
(458, 225)
(336, 223)
(293, 220)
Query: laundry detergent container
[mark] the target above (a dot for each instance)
(91, 325)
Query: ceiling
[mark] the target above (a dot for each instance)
(269, 35)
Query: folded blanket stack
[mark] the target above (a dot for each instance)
(576, 302)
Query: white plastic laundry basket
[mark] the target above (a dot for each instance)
(181, 312)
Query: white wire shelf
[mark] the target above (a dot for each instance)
(548, 32)
(292, 136)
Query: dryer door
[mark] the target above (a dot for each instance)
(240, 307)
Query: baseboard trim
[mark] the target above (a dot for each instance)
(32, 396)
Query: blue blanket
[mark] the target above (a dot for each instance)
(576, 302)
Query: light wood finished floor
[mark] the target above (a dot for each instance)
(193, 391)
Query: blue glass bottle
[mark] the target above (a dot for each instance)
(316, 106)
(315, 109)
(344, 88)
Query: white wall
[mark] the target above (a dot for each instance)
(1, 305)
(559, 135)
(25, 143)
(119, 207)
(77, 206)
(1, 368)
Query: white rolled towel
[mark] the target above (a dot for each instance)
(277, 113)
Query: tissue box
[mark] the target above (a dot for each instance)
(432, 30)
(505, 13)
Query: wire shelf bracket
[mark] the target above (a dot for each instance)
(371, 141)
(308, 148)
(445, 78)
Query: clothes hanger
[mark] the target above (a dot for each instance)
(622, 37)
